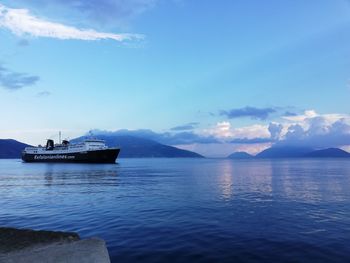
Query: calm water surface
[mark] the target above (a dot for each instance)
(189, 210)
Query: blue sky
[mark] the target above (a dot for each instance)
(223, 70)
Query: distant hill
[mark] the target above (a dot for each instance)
(328, 153)
(136, 147)
(240, 155)
(284, 152)
(10, 149)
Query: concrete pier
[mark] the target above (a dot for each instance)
(23, 245)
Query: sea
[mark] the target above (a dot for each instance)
(189, 210)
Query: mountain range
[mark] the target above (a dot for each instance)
(292, 152)
(11, 148)
(137, 147)
(333, 152)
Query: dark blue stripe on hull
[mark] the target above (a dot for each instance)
(99, 156)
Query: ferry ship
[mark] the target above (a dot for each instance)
(88, 151)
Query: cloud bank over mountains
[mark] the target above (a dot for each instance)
(318, 132)
(309, 129)
(169, 138)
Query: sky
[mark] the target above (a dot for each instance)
(214, 77)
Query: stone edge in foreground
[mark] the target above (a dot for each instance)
(23, 245)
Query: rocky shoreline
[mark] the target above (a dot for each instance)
(25, 245)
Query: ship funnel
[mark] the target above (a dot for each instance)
(49, 145)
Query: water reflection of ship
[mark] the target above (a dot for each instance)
(79, 174)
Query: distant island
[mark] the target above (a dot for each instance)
(278, 152)
(240, 155)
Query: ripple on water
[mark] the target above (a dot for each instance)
(189, 210)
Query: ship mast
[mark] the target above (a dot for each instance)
(59, 137)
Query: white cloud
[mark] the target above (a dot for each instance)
(21, 22)
(275, 130)
(346, 148)
(317, 130)
(302, 117)
(223, 130)
(252, 131)
(105, 12)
